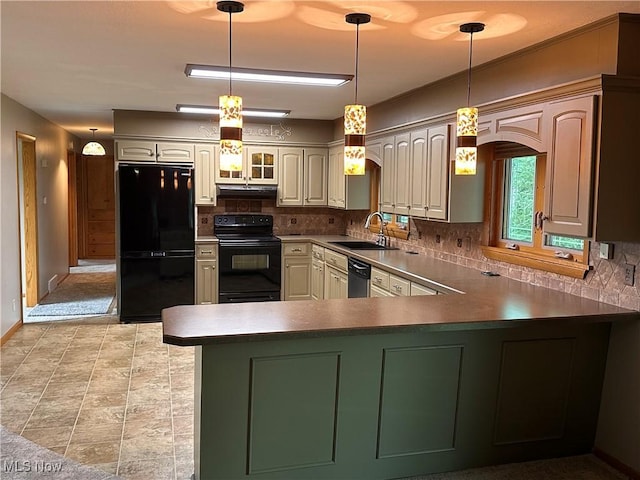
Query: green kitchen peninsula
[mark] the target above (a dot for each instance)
(379, 388)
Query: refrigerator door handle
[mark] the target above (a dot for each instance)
(158, 254)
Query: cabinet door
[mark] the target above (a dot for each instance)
(569, 168)
(417, 290)
(175, 152)
(291, 169)
(437, 172)
(335, 283)
(262, 165)
(297, 278)
(418, 174)
(136, 151)
(205, 175)
(206, 282)
(337, 186)
(402, 172)
(315, 176)
(317, 280)
(375, 291)
(343, 285)
(387, 187)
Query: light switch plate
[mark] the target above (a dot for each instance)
(606, 250)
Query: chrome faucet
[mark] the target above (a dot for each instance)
(382, 240)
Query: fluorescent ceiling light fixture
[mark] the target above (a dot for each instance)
(246, 112)
(267, 76)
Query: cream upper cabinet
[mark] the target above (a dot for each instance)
(387, 187)
(402, 174)
(418, 176)
(351, 192)
(205, 178)
(303, 176)
(150, 151)
(337, 185)
(316, 170)
(135, 151)
(172, 152)
(437, 178)
(259, 167)
(291, 182)
(569, 167)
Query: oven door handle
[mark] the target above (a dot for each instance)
(244, 243)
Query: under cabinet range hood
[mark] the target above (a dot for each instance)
(247, 191)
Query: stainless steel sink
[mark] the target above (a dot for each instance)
(361, 245)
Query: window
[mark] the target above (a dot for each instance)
(517, 202)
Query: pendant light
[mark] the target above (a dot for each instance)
(93, 148)
(467, 119)
(230, 109)
(355, 116)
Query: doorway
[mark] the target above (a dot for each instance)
(27, 188)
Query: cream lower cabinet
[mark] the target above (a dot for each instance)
(317, 272)
(385, 284)
(296, 266)
(206, 274)
(335, 275)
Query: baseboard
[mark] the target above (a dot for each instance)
(617, 464)
(10, 332)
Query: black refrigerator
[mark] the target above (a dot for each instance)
(156, 239)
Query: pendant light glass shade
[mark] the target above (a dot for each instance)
(355, 115)
(467, 133)
(230, 109)
(230, 133)
(467, 119)
(355, 128)
(93, 148)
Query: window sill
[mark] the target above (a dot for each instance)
(547, 264)
(392, 231)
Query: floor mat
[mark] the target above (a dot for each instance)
(79, 294)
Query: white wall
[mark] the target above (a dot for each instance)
(52, 143)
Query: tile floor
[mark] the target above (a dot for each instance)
(105, 394)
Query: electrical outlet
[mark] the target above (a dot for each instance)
(294, 221)
(459, 243)
(629, 274)
(437, 238)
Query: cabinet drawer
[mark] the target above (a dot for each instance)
(399, 286)
(335, 259)
(101, 251)
(317, 252)
(297, 249)
(206, 250)
(417, 289)
(379, 278)
(379, 292)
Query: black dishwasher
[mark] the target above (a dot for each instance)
(359, 275)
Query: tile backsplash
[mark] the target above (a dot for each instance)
(286, 220)
(604, 282)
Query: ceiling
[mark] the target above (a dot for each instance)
(73, 62)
